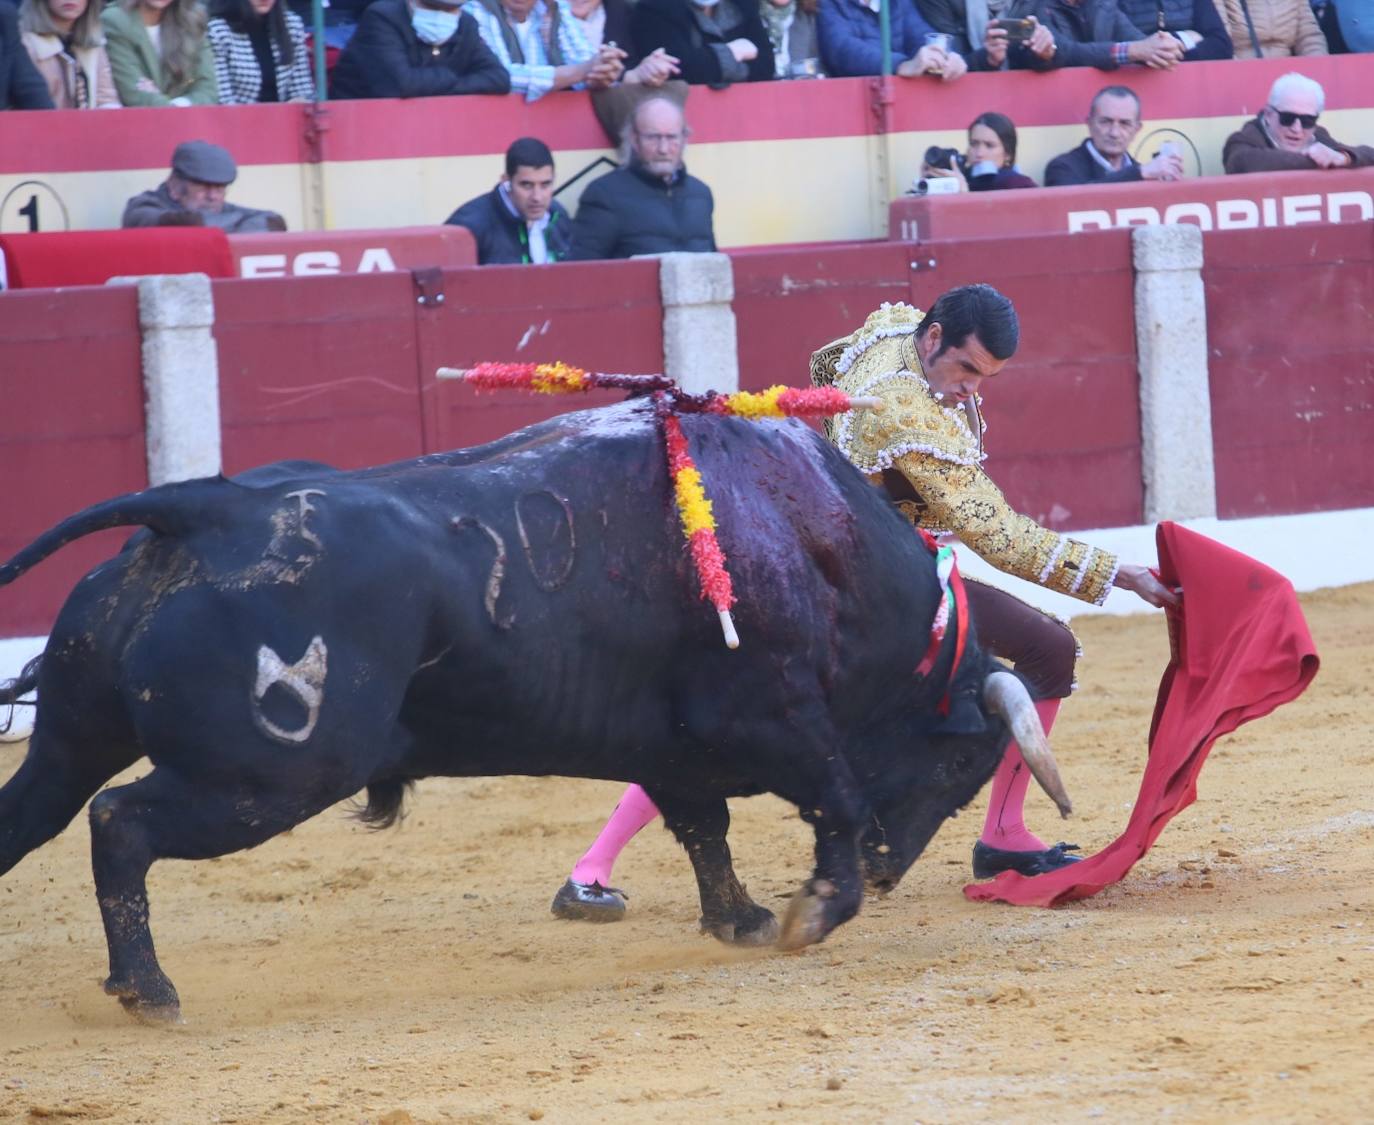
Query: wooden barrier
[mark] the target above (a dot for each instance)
(1289, 324)
(1213, 203)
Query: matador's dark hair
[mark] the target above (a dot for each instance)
(975, 310)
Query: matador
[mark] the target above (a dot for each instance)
(924, 446)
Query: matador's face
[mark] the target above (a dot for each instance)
(955, 373)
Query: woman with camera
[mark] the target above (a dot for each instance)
(988, 165)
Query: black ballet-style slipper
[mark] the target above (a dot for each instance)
(589, 902)
(989, 861)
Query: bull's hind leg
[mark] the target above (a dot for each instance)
(727, 911)
(164, 816)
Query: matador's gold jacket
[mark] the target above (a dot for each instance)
(929, 457)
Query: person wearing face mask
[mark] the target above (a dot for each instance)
(716, 42)
(416, 49)
(519, 220)
(1285, 136)
(924, 448)
(64, 39)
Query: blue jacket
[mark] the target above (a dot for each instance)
(851, 41)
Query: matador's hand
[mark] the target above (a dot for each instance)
(1142, 580)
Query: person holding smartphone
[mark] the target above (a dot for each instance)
(993, 36)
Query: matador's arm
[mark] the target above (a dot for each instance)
(962, 499)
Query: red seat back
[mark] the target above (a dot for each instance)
(92, 257)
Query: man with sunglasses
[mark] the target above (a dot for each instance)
(1285, 136)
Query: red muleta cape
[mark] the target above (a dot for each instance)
(1239, 647)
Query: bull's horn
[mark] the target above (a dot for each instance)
(1006, 696)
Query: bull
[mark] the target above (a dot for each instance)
(277, 642)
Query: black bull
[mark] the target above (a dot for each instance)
(277, 642)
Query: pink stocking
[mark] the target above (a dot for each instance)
(633, 813)
(1004, 827)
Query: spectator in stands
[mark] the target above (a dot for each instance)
(608, 21)
(67, 46)
(159, 53)
(21, 86)
(1200, 31)
(1113, 122)
(1097, 33)
(988, 165)
(649, 205)
(1272, 28)
(975, 32)
(540, 43)
(792, 33)
(519, 220)
(416, 49)
(193, 195)
(852, 46)
(1285, 136)
(716, 42)
(260, 53)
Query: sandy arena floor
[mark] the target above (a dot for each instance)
(338, 975)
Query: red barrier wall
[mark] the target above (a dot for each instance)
(1211, 202)
(312, 253)
(1063, 420)
(1290, 317)
(604, 316)
(72, 387)
(321, 368)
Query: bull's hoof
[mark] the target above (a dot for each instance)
(752, 926)
(589, 902)
(158, 1005)
(806, 923)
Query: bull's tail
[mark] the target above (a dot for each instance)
(384, 801)
(171, 509)
(12, 691)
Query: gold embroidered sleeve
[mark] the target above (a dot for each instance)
(962, 499)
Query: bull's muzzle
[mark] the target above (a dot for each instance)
(1007, 697)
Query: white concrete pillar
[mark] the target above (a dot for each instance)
(1171, 353)
(180, 375)
(699, 346)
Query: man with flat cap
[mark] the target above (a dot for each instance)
(193, 195)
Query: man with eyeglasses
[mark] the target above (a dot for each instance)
(1285, 136)
(649, 205)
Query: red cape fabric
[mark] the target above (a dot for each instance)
(1239, 647)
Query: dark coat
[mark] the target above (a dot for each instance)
(671, 24)
(157, 208)
(21, 86)
(502, 238)
(1251, 150)
(1079, 167)
(1006, 179)
(952, 17)
(629, 212)
(1084, 34)
(851, 43)
(1183, 15)
(385, 59)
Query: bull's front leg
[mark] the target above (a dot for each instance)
(727, 911)
(835, 890)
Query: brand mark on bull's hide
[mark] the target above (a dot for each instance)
(497, 574)
(304, 680)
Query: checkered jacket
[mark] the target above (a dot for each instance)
(236, 66)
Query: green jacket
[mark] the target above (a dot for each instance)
(133, 58)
